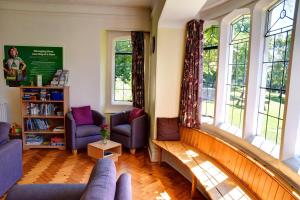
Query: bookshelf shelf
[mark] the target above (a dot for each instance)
(44, 132)
(40, 101)
(43, 110)
(44, 116)
(44, 147)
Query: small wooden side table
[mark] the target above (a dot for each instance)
(111, 150)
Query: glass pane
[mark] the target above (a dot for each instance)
(210, 55)
(211, 36)
(127, 95)
(119, 95)
(123, 46)
(280, 17)
(237, 71)
(274, 73)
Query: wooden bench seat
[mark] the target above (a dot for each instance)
(223, 171)
(214, 182)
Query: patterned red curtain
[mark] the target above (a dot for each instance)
(190, 100)
(138, 91)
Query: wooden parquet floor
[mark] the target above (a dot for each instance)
(149, 180)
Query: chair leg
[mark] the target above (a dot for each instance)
(132, 151)
(74, 151)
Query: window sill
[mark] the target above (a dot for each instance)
(121, 103)
(266, 146)
(285, 169)
(294, 164)
(231, 129)
(207, 120)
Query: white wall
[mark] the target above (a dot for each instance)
(170, 56)
(73, 28)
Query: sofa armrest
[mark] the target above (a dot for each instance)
(98, 118)
(11, 164)
(4, 129)
(70, 131)
(139, 131)
(123, 189)
(119, 118)
(46, 192)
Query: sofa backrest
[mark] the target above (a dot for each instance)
(102, 182)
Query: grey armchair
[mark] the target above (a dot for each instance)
(131, 135)
(78, 137)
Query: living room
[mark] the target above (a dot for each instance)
(179, 100)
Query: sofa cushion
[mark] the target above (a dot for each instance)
(87, 130)
(135, 113)
(123, 129)
(167, 129)
(46, 192)
(4, 132)
(102, 182)
(123, 190)
(83, 115)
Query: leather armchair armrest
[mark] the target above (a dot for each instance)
(70, 131)
(139, 131)
(98, 118)
(119, 118)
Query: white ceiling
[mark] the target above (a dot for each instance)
(121, 3)
(212, 3)
(176, 13)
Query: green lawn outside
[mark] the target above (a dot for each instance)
(234, 113)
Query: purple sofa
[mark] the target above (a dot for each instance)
(10, 159)
(131, 135)
(102, 185)
(78, 137)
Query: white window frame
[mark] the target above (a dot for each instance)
(113, 101)
(110, 106)
(224, 54)
(289, 151)
(204, 119)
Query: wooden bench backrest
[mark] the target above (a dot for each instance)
(263, 183)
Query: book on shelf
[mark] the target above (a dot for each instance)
(41, 109)
(58, 129)
(37, 124)
(34, 140)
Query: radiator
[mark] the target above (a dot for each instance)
(3, 112)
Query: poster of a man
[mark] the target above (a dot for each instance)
(14, 68)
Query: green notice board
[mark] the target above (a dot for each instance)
(39, 60)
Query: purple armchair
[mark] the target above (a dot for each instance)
(133, 135)
(10, 158)
(78, 137)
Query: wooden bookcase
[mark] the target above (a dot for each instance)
(43, 116)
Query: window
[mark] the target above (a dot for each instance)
(279, 25)
(210, 60)
(236, 73)
(122, 71)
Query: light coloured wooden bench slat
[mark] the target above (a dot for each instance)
(216, 183)
(258, 180)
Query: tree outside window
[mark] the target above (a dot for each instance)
(122, 76)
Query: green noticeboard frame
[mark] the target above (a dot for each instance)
(43, 61)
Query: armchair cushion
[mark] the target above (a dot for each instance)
(87, 130)
(167, 129)
(82, 115)
(135, 113)
(122, 129)
(4, 131)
